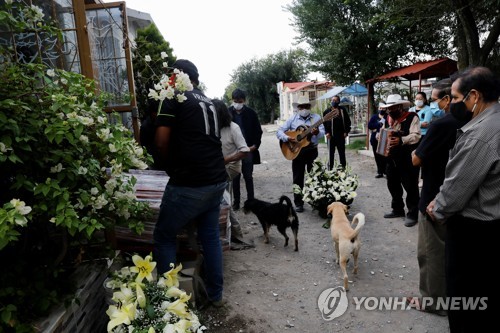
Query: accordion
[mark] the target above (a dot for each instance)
(385, 136)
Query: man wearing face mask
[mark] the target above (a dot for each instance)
(250, 127)
(469, 200)
(432, 156)
(307, 155)
(336, 131)
(400, 171)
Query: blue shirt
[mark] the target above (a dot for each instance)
(427, 115)
(295, 121)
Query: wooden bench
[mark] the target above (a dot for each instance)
(149, 187)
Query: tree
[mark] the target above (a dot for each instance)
(358, 39)
(149, 42)
(477, 32)
(258, 78)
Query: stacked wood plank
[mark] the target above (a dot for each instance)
(150, 187)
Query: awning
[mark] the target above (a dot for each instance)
(421, 70)
(354, 89)
(332, 92)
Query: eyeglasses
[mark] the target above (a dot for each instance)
(437, 100)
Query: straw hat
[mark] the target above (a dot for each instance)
(394, 99)
(303, 100)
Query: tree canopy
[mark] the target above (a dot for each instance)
(358, 39)
(258, 79)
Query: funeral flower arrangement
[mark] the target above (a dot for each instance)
(323, 186)
(145, 304)
(170, 86)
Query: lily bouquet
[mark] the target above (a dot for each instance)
(323, 186)
(144, 304)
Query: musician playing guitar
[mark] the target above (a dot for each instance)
(301, 140)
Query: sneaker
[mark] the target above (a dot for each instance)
(219, 304)
(379, 175)
(410, 221)
(236, 205)
(299, 208)
(394, 214)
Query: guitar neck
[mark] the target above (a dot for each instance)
(313, 126)
(328, 116)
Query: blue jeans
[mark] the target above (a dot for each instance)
(179, 206)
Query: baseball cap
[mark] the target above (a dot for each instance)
(187, 67)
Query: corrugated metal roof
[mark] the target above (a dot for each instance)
(425, 69)
(297, 86)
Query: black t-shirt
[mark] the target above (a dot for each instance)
(195, 152)
(434, 152)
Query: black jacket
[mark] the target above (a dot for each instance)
(251, 129)
(339, 125)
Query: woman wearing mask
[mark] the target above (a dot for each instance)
(424, 112)
(307, 154)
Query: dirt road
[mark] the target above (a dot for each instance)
(272, 288)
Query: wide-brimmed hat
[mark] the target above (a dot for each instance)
(394, 99)
(302, 100)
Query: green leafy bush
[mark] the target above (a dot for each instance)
(61, 178)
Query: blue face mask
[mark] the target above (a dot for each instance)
(335, 104)
(434, 105)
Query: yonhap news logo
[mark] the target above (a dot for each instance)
(333, 303)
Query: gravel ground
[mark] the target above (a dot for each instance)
(272, 288)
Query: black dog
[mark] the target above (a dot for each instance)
(281, 214)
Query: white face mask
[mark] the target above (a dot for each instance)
(238, 106)
(304, 113)
(419, 103)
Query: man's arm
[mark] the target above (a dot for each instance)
(414, 135)
(327, 124)
(280, 133)
(162, 140)
(415, 160)
(347, 122)
(257, 131)
(465, 172)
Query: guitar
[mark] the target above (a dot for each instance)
(291, 149)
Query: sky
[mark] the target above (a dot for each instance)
(219, 35)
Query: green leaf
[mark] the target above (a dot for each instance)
(14, 159)
(6, 315)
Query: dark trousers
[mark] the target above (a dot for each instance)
(338, 142)
(302, 162)
(471, 248)
(431, 258)
(402, 174)
(380, 160)
(247, 172)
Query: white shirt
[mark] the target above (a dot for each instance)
(232, 142)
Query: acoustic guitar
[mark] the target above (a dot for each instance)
(291, 149)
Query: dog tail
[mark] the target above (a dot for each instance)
(291, 211)
(359, 218)
(286, 200)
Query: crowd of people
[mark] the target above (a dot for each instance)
(452, 139)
